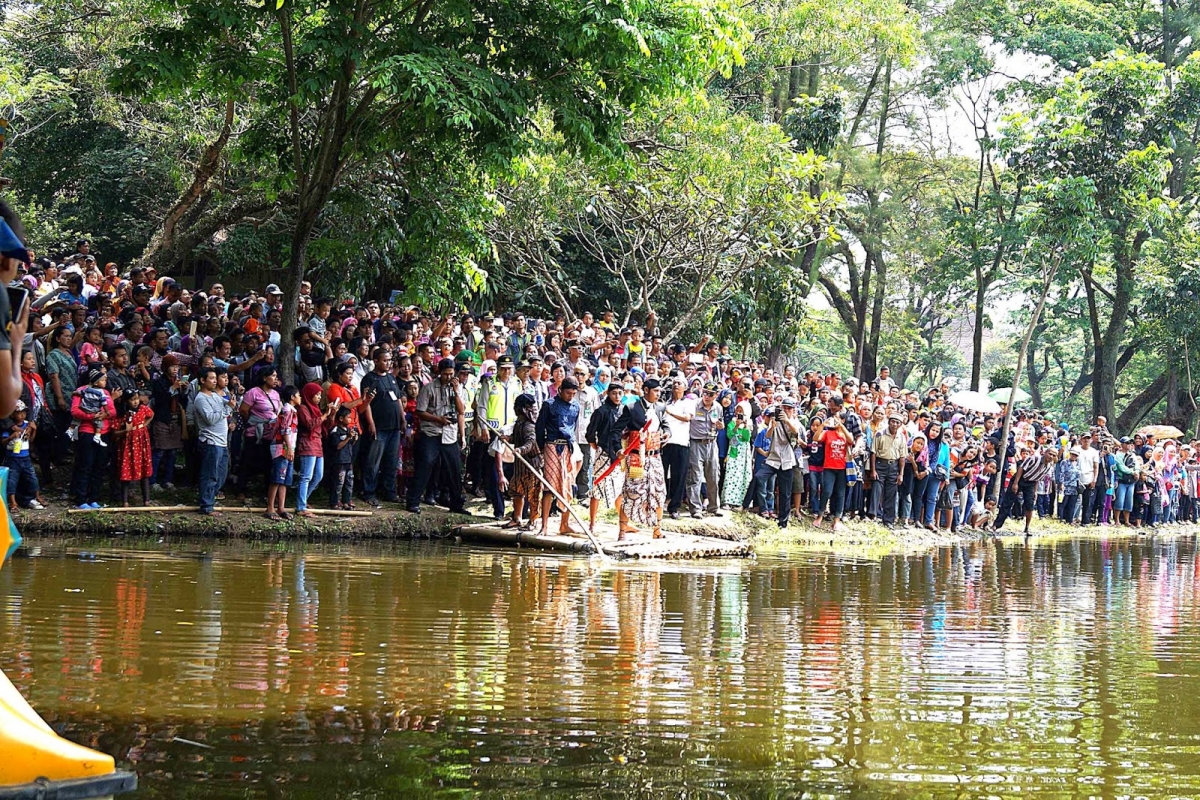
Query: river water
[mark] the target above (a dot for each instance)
(416, 670)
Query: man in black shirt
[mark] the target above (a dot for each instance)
(383, 421)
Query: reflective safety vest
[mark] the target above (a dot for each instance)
(499, 413)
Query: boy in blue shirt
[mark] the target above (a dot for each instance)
(23, 485)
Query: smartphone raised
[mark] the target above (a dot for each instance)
(18, 297)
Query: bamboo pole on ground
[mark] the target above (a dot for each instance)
(562, 501)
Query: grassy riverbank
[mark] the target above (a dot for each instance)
(863, 538)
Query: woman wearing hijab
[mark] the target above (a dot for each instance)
(938, 454)
(169, 396)
(309, 445)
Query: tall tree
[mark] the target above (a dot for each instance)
(331, 87)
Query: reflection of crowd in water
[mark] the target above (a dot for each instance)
(518, 657)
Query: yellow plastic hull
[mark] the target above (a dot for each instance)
(31, 749)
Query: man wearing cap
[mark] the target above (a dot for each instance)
(275, 297)
(383, 421)
(704, 465)
(439, 411)
(495, 415)
(1089, 475)
(888, 451)
(784, 434)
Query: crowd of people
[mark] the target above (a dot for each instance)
(132, 383)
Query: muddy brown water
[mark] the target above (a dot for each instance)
(423, 670)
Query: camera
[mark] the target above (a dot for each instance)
(452, 416)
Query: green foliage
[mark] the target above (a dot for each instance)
(1001, 377)
(707, 197)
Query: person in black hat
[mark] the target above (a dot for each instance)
(645, 490)
(440, 411)
(556, 425)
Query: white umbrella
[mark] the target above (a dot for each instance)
(1001, 395)
(974, 401)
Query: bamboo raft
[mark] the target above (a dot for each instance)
(673, 545)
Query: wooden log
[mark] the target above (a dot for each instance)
(323, 512)
(514, 537)
(562, 501)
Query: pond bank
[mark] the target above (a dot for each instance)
(391, 522)
(860, 538)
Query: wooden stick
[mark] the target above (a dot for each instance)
(324, 512)
(562, 501)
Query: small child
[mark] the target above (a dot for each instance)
(91, 400)
(22, 480)
(283, 453)
(134, 463)
(982, 520)
(341, 442)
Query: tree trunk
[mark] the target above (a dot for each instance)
(1142, 404)
(1181, 410)
(1002, 450)
(163, 248)
(977, 336)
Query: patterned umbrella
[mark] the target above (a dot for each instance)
(1162, 432)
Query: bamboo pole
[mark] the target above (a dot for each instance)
(562, 501)
(324, 512)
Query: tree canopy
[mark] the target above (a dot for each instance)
(785, 174)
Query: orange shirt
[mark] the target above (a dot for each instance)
(347, 394)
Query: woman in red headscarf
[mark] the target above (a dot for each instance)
(310, 463)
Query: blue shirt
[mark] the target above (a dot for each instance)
(761, 442)
(556, 422)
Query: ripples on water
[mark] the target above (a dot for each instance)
(322, 671)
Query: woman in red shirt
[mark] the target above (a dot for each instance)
(837, 441)
(343, 391)
(309, 453)
(91, 451)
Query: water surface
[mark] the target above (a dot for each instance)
(311, 671)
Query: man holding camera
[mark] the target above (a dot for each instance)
(781, 458)
(383, 421)
(838, 442)
(437, 445)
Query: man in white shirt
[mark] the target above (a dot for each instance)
(886, 384)
(1089, 472)
(677, 416)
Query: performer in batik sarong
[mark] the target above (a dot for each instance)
(645, 490)
(526, 488)
(556, 438)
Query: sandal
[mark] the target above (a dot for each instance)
(306, 514)
(271, 515)
(286, 515)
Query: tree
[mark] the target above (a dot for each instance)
(705, 197)
(1058, 227)
(332, 88)
(1112, 124)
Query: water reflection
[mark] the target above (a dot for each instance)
(1068, 670)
